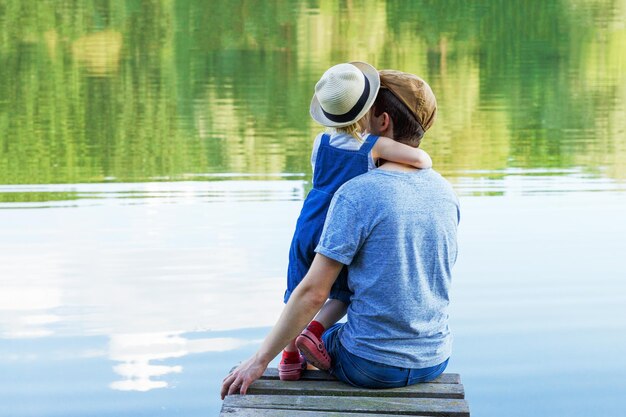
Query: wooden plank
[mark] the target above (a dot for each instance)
(441, 407)
(259, 412)
(309, 375)
(337, 388)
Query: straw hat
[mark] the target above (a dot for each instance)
(344, 94)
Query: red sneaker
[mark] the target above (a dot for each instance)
(313, 350)
(291, 371)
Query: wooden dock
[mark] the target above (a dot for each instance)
(318, 394)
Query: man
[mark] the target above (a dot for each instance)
(395, 227)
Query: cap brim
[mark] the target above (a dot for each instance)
(374, 79)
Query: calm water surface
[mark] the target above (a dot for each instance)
(154, 157)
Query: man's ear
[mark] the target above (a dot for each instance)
(386, 124)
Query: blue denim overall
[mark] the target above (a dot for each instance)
(333, 167)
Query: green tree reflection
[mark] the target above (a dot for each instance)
(143, 90)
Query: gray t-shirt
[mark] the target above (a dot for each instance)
(397, 232)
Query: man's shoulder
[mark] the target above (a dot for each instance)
(440, 179)
(380, 176)
(377, 181)
(360, 183)
(439, 185)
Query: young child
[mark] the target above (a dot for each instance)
(342, 100)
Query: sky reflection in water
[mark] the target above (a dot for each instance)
(165, 294)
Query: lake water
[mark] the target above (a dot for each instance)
(154, 157)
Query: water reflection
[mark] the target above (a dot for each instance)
(135, 351)
(136, 92)
(144, 266)
(220, 191)
(514, 181)
(98, 52)
(165, 145)
(138, 352)
(147, 294)
(27, 312)
(231, 188)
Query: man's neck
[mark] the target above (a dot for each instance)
(395, 166)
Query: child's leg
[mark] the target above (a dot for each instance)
(291, 347)
(337, 304)
(331, 313)
(310, 340)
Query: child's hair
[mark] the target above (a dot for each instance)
(354, 130)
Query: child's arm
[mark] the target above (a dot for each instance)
(390, 150)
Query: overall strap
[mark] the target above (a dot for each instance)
(367, 146)
(325, 141)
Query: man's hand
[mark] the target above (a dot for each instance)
(309, 296)
(238, 381)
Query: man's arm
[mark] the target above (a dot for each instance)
(304, 303)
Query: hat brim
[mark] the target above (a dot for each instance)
(374, 79)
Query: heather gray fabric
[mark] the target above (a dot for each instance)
(397, 232)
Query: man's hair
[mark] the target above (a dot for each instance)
(406, 129)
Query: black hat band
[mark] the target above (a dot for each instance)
(354, 111)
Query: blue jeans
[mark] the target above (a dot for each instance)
(360, 372)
